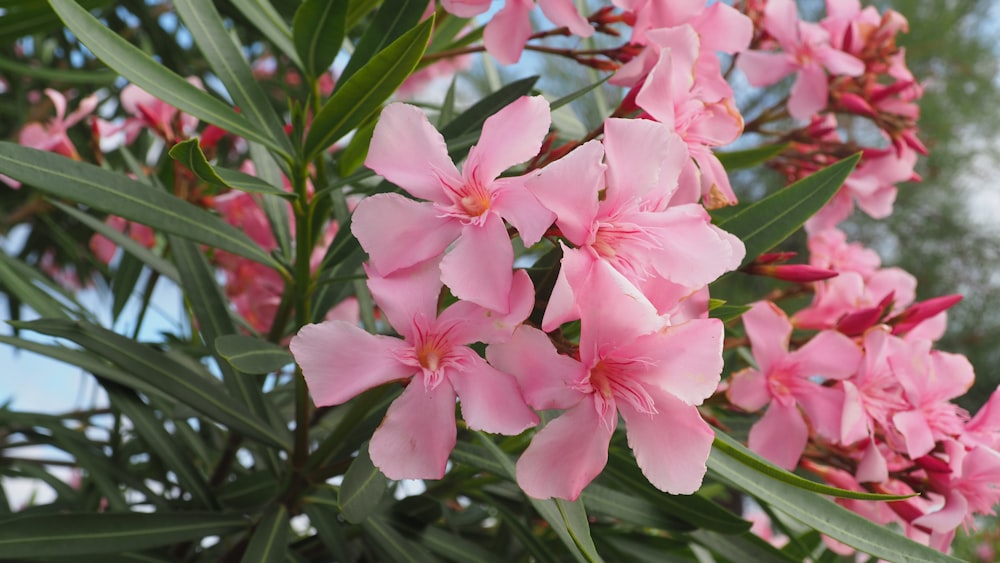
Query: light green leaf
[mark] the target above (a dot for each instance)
(318, 31)
(824, 515)
(200, 391)
(361, 95)
(362, 489)
(19, 280)
(726, 313)
(226, 59)
(631, 509)
(767, 222)
(740, 453)
(738, 160)
(55, 535)
(252, 355)
(71, 76)
(393, 19)
(144, 72)
(189, 154)
(270, 23)
(269, 542)
(116, 194)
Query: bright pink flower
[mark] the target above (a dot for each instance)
(149, 112)
(467, 208)
(340, 360)
(873, 394)
(631, 364)
(806, 52)
(616, 212)
(829, 249)
(787, 381)
(849, 293)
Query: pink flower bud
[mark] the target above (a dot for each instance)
(801, 273)
(921, 311)
(856, 104)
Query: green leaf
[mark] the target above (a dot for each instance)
(394, 546)
(824, 515)
(189, 154)
(356, 151)
(269, 22)
(556, 104)
(738, 160)
(740, 453)
(454, 547)
(55, 535)
(116, 194)
(745, 548)
(767, 222)
(123, 282)
(252, 355)
(168, 86)
(201, 392)
(726, 313)
(320, 504)
(392, 20)
(269, 542)
(472, 119)
(631, 509)
(361, 95)
(16, 278)
(30, 17)
(71, 76)
(318, 31)
(362, 489)
(249, 492)
(275, 209)
(225, 58)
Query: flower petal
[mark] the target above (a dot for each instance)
(522, 209)
(382, 224)
(491, 400)
(407, 294)
(687, 359)
(479, 267)
(809, 93)
(780, 435)
(569, 187)
(635, 150)
(508, 31)
(510, 136)
(418, 433)
(769, 331)
(763, 69)
(545, 376)
(563, 13)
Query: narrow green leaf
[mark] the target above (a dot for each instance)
(738, 160)
(556, 104)
(454, 547)
(740, 453)
(225, 58)
(771, 220)
(473, 118)
(358, 9)
(252, 355)
(320, 504)
(527, 537)
(395, 547)
(71, 76)
(270, 23)
(123, 283)
(14, 281)
(447, 112)
(161, 443)
(201, 392)
(249, 492)
(631, 509)
(277, 210)
(362, 489)
(356, 151)
(728, 312)
(269, 542)
(318, 31)
(362, 94)
(745, 548)
(140, 69)
(824, 515)
(116, 194)
(30, 17)
(393, 19)
(55, 535)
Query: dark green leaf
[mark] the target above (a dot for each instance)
(824, 515)
(57, 535)
(269, 542)
(189, 154)
(631, 509)
(737, 160)
(16, 278)
(577, 94)
(123, 283)
(144, 72)
(252, 355)
(318, 31)
(744, 548)
(740, 453)
(454, 547)
(356, 151)
(226, 59)
(392, 20)
(116, 194)
(767, 222)
(321, 506)
(395, 547)
(362, 94)
(249, 492)
(269, 22)
(362, 489)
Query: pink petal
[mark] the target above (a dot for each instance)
(823, 406)
(417, 435)
(658, 92)
(383, 222)
(872, 468)
(466, 8)
(546, 377)
(809, 93)
(479, 268)
(569, 187)
(491, 400)
(723, 28)
(748, 390)
(916, 432)
(781, 19)
(693, 251)
(562, 306)
(566, 455)
(768, 329)
(612, 311)
(408, 294)
(522, 209)
(510, 136)
(763, 69)
(59, 102)
(508, 31)
(687, 359)
(671, 446)
(949, 516)
(408, 151)
(854, 425)
(340, 360)
(828, 354)
(780, 435)
(472, 323)
(564, 13)
(841, 63)
(635, 150)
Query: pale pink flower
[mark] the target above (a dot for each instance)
(829, 248)
(806, 51)
(340, 361)
(467, 208)
(149, 112)
(631, 364)
(104, 249)
(787, 381)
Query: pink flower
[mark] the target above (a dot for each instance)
(340, 360)
(467, 208)
(104, 249)
(787, 381)
(631, 363)
(150, 112)
(806, 52)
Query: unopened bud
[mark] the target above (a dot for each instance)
(856, 104)
(802, 273)
(921, 311)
